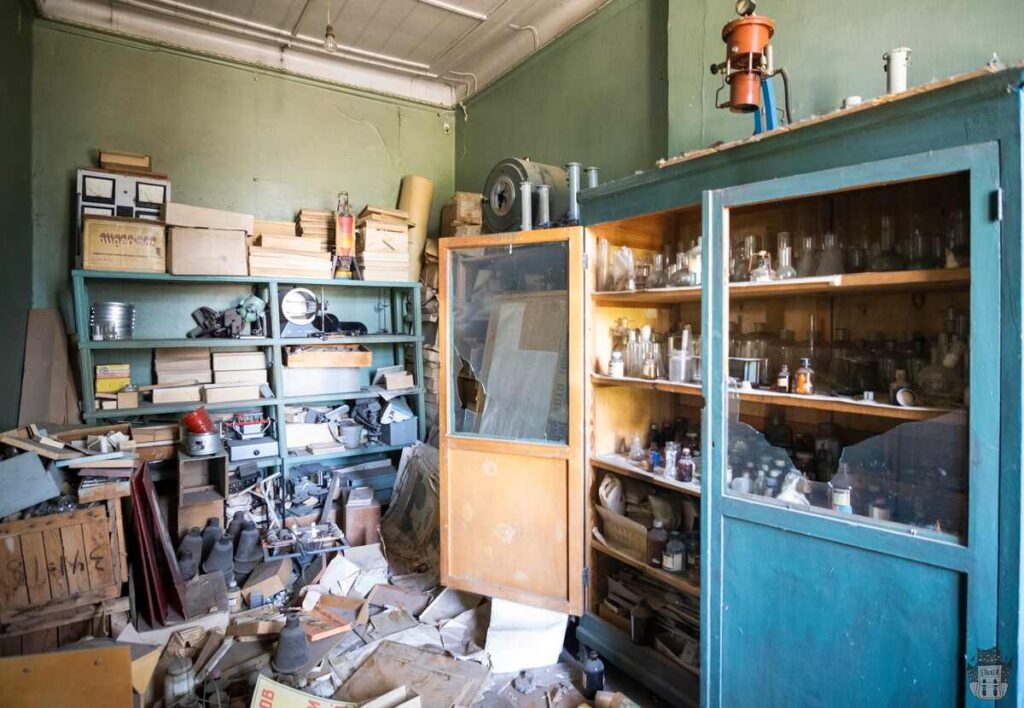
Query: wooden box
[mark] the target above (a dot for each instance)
(58, 562)
(177, 394)
(206, 252)
(328, 356)
(382, 237)
(624, 534)
(134, 245)
(202, 488)
(239, 361)
(175, 214)
(463, 208)
(226, 393)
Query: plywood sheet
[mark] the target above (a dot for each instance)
(90, 678)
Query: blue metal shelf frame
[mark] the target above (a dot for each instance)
(406, 332)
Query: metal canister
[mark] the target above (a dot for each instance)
(573, 170)
(526, 206)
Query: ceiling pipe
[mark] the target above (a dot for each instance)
(532, 30)
(191, 13)
(455, 9)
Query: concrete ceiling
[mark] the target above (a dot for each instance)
(435, 51)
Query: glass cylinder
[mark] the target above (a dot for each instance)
(657, 277)
(603, 256)
(887, 258)
(958, 245)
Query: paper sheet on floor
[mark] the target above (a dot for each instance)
(522, 637)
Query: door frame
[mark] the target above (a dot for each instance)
(572, 452)
(977, 561)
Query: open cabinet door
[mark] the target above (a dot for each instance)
(511, 415)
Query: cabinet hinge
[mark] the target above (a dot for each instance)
(997, 205)
(586, 577)
(586, 260)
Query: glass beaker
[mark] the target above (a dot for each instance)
(657, 277)
(831, 259)
(807, 262)
(887, 258)
(785, 269)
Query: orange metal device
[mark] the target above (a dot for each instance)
(747, 61)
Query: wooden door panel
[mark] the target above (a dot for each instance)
(505, 538)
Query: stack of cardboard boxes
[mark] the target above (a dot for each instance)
(382, 244)
(237, 377)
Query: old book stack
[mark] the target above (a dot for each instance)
(278, 251)
(462, 215)
(382, 244)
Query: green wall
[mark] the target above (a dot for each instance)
(832, 49)
(15, 197)
(597, 95)
(229, 136)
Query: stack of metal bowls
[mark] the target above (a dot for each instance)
(112, 320)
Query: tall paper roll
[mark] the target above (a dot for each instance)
(415, 197)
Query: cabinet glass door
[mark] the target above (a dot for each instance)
(858, 309)
(511, 416)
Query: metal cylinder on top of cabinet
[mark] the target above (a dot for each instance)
(502, 198)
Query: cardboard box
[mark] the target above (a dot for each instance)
(134, 245)
(172, 378)
(245, 376)
(178, 394)
(127, 399)
(382, 236)
(225, 393)
(111, 385)
(268, 578)
(204, 218)
(239, 361)
(397, 380)
(328, 356)
(462, 208)
(274, 228)
(113, 371)
(312, 382)
(206, 252)
(127, 161)
(362, 519)
(402, 433)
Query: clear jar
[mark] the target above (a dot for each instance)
(670, 463)
(887, 258)
(958, 246)
(807, 262)
(831, 261)
(803, 381)
(693, 262)
(616, 365)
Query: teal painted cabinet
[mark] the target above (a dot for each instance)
(878, 574)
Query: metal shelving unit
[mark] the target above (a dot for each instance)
(402, 297)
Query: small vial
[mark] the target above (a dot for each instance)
(782, 380)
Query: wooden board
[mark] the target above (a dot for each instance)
(46, 377)
(88, 678)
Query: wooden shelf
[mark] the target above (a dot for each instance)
(676, 582)
(851, 284)
(677, 684)
(231, 343)
(786, 400)
(240, 279)
(685, 389)
(303, 458)
(621, 465)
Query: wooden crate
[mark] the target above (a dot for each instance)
(50, 564)
(320, 356)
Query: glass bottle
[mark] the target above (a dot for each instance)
(681, 277)
(693, 262)
(634, 355)
(783, 351)
(830, 262)
(636, 449)
(803, 381)
(673, 560)
(887, 258)
(784, 266)
(671, 462)
(958, 247)
(657, 537)
(640, 618)
(740, 264)
(840, 371)
(616, 365)
(827, 450)
(841, 490)
(686, 466)
(782, 379)
(889, 360)
(807, 263)
(858, 255)
(657, 278)
(921, 251)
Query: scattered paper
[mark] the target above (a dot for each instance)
(521, 637)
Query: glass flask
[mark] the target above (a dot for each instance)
(760, 270)
(681, 277)
(657, 278)
(807, 263)
(857, 254)
(785, 269)
(740, 260)
(922, 252)
(783, 351)
(830, 261)
(887, 258)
